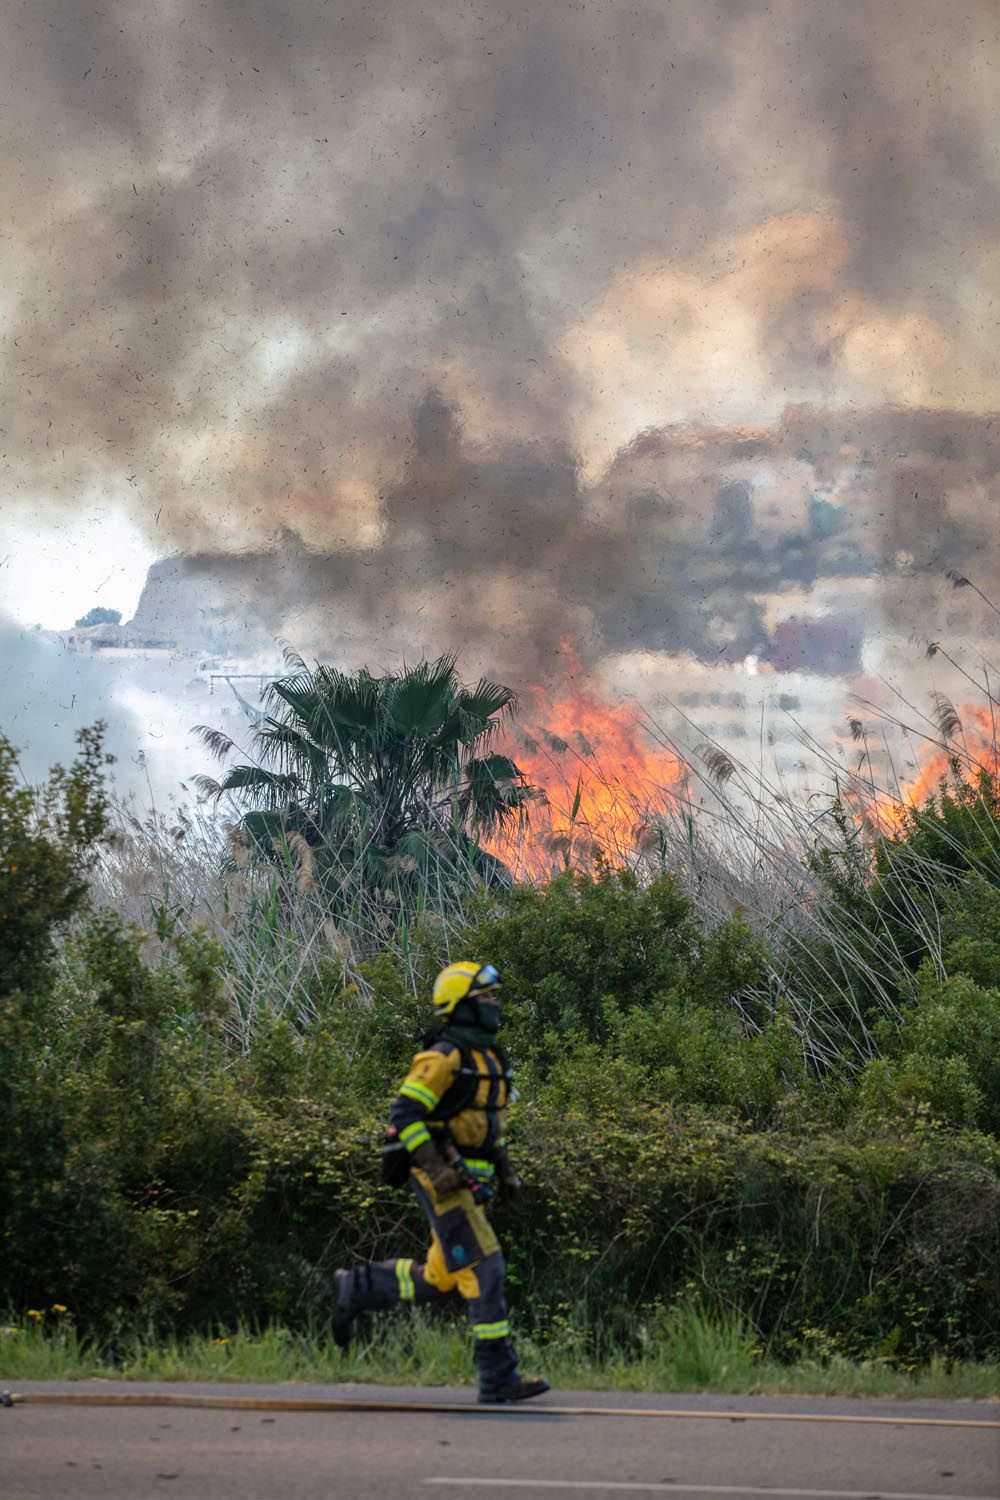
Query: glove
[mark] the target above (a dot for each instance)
(444, 1179)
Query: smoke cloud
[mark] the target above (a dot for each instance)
(484, 326)
(49, 694)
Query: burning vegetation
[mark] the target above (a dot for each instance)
(599, 784)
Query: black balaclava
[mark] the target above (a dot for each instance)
(475, 1022)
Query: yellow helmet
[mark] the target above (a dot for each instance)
(462, 981)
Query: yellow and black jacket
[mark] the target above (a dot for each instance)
(455, 1094)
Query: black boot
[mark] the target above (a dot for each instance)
(515, 1389)
(342, 1326)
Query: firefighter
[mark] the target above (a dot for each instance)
(446, 1129)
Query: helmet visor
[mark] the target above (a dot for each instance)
(486, 979)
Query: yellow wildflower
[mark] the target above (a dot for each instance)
(59, 1307)
(34, 1313)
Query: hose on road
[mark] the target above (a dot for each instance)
(357, 1404)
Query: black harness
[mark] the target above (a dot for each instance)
(394, 1168)
(462, 1094)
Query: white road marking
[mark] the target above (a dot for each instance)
(695, 1489)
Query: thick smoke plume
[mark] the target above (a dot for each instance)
(50, 693)
(794, 544)
(382, 297)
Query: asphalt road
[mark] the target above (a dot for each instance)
(129, 1453)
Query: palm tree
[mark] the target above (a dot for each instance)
(374, 785)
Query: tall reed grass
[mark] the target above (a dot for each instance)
(741, 840)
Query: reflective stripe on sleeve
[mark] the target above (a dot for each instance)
(414, 1135)
(404, 1275)
(491, 1330)
(421, 1094)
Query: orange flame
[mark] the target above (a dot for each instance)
(975, 748)
(601, 783)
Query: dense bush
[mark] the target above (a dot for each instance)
(49, 837)
(582, 950)
(880, 1240)
(162, 1165)
(943, 1057)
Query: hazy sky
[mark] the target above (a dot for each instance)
(244, 241)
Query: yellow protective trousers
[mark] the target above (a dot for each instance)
(464, 1258)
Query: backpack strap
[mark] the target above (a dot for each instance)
(463, 1091)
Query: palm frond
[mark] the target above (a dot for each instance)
(289, 750)
(488, 703)
(270, 788)
(420, 701)
(495, 791)
(357, 765)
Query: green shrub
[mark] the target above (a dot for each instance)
(578, 951)
(944, 1056)
(886, 1238)
(156, 1175)
(970, 931)
(930, 890)
(121, 1127)
(175, 1158)
(49, 838)
(701, 1056)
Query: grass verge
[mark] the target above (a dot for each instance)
(691, 1353)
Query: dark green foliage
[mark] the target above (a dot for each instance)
(154, 1175)
(115, 1121)
(877, 1241)
(705, 1056)
(970, 930)
(943, 1058)
(581, 946)
(161, 1165)
(377, 789)
(49, 837)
